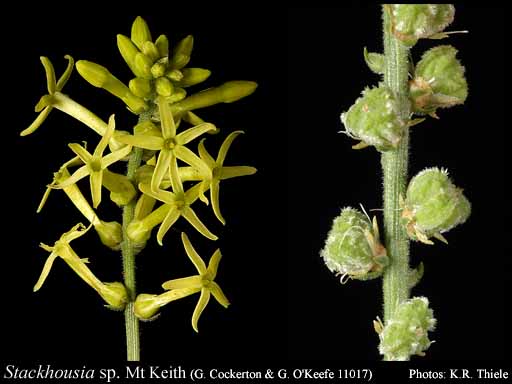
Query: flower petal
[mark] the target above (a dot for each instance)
(165, 157)
(184, 282)
(177, 185)
(161, 195)
(189, 157)
(200, 306)
(213, 265)
(74, 233)
(168, 126)
(114, 157)
(84, 155)
(142, 141)
(96, 180)
(235, 171)
(193, 255)
(205, 156)
(218, 294)
(37, 122)
(100, 148)
(214, 197)
(194, 132)
(50, 74)
(79, 174)
(192, 218)
(67, 73)
(225, 147)
(46, 270)
(169, 220)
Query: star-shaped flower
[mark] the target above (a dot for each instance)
(53, 86)
(204, 281)
(179, 203)
(220, 172)
(95, 164)
(170, 145)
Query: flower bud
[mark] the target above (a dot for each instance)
(115, 295)
(163, 86)
(121, 188)
(146, 306)
(110, 233)
(438, 81)
(175, 75)
(374, 119)
(353, 248)
(158, 70)
(143, 65)
(140, 87)
(182, 52)
(138, 232)
(128, 51)
(410, 22)
(178, 94)
(150, 50)
(193, 76)
(406, 333)
(162, 44)
(140, 32)
(433, 205)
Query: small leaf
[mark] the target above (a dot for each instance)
(375, 61)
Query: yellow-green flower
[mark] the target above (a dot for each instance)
(95, 164)
(204, 281)
(220, 172)
(171, 146)
(53, 86)
(113, 293)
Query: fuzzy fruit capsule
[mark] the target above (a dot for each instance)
(406, 333)
(352, 247)
(433, 205)
(410, 22)
(439, 81)
(374, 119)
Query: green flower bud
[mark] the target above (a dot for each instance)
(146, 306)
(111, 233)
(162, 44)
(150, 50)
(163, 86)
(406, 333)
(374, 120)
(121, 188)
(158, 70)
(143, 65)
(178, 94)
(140, 87)
(193, 76)
(353, 247)
(438, 81)
(138, 232)
(115, 295)
(140, 32)
(410, 22)
(182, 52)
(433, 205)
(128, 51)
(175, 75)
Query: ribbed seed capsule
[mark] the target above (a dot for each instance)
(439, 81)
(353, 248)
(433, 205)
(410, 22)
(374, 120)
(406, 333)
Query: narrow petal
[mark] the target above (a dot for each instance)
(205, 156)
(193, 255)
(177, 185)
(114, 157)
(192, 218)
(84, 155)
(168, 127)
(241, 170)
(106, 137)
(218, 294)
(96, 179)
(43, 199)
(67, 73)
(50, 74)
(79, 174)
(193, 193)
(214, 197)
(161, 195)
(191, 133)
(162, 167)
(225, 147)
(169, 220)
(189, 157)
(213, 265)
(74, 233)
(37, 122)
(46, 270)
(142, 141)
(184, 282)
(200, 306)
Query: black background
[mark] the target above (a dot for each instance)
(286, 306)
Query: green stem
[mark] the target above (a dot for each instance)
(394, 165)
(128, 253)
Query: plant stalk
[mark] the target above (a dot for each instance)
(394, 166)
(128, 254)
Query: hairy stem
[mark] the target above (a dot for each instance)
(128, 253)
(394, 165)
